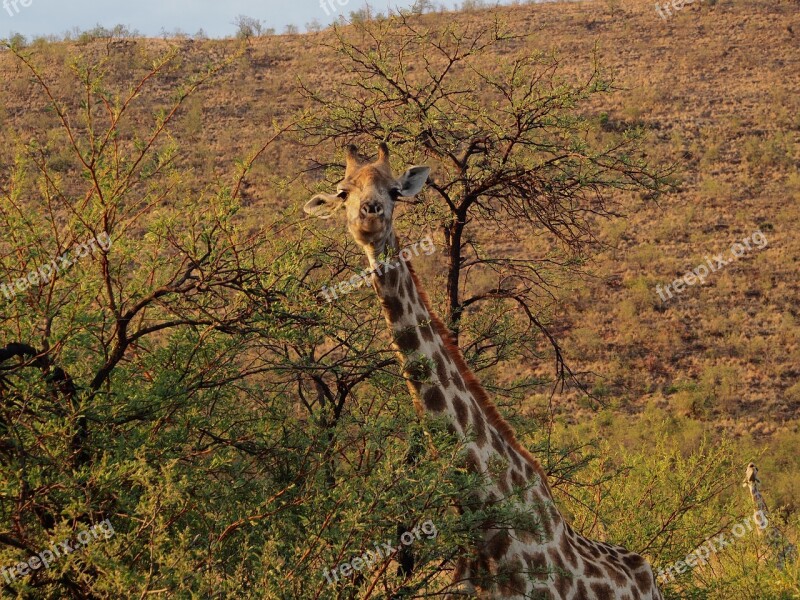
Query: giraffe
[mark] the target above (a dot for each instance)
(783, 550)
(544, 558)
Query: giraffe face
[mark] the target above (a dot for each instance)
(369, 197)
(368, 194)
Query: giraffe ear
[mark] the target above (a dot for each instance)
(413, 180)
(323, 206)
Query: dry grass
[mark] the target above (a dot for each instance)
(716, 86)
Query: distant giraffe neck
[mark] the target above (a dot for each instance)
(441, 383)
(783, 550)
(758, 500)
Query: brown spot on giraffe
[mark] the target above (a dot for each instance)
(546, 525)
(592, 569)
(391, 279)
(434, 399)
(462, 412)
(555, 558)
(528, 471)
(473, 461)
(441, 369)
(426, 332)
(581, 592)
(407, 339)
(569, 553)
(478, 426)
(498, 545)
(536, 562)
(602, 591)
(502, 483)
(644, 578)
(393, 307)
(527, 537)
(408, 286)
(497, 443)
(633, 561)
(617, 575)
(564, 584)
(518, 462)
(510, 577)
(458, 382)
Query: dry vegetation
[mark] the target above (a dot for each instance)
(717, 89)
(716, 86)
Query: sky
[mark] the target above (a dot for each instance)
(53, 17)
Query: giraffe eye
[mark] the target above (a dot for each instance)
(343, 194)
(394, 193)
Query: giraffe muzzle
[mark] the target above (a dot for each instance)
(371, 209)
(371, 220)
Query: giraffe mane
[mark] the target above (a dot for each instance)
(493, 416)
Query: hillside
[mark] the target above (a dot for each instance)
(674, 369)
(716, 85)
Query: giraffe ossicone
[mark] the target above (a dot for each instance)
(543, 559)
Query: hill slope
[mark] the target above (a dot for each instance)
(716, 85)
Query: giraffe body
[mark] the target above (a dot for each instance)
(782, 550)
(543, 558)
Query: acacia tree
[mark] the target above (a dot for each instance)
(516, 153)
(183, 381)
(130, 337)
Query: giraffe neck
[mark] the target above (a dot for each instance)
(761, 505)
(441, 383)
(541, 554)
(761, 516)
(783, 549)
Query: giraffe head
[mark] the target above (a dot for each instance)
(751, 475)
(368, 194)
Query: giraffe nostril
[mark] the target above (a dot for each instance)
(372, 208)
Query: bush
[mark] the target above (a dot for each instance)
(17, 41)
(247, 27)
